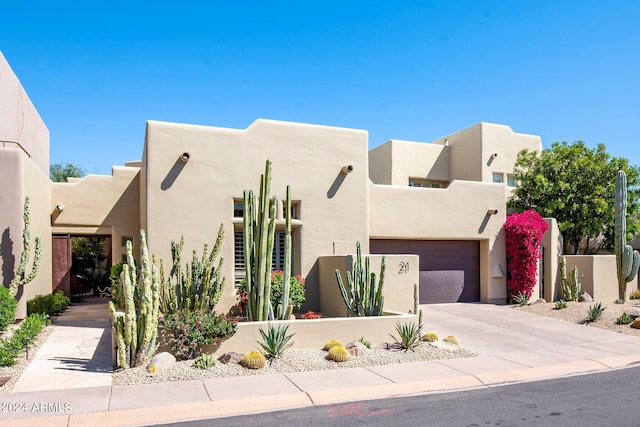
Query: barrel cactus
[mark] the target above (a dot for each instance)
(338, 354)
(253, 360)
(330, 344)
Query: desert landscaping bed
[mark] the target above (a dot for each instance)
(576, 312)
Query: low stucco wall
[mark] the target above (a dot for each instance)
(598, 276)
(313, 333)
(398, 282)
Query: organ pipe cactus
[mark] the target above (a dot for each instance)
(570, 285)
(19, 279)
(197, 287)
(136, 327)
(259, 226)
(627, 259)
(360, 294)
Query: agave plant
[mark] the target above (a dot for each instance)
(595, 312)
(275, 341)
(520, 298)
(409, 335)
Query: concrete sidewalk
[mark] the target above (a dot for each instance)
(513, 346)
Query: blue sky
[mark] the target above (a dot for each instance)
(96, 71)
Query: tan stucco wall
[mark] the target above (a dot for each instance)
(24, 170)
(552, 243)
(397, 288)
(19, 120)
(458, 212)
(193, 198)
(100, 204)
(597, 274)
(466, 153)
(394, 162)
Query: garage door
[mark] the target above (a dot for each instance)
(440, 255)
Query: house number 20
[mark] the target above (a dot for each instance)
(404, 267)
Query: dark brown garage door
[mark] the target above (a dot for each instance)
(440, 255)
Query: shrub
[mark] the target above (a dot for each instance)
(296, 291)
(523, 233)
(635, 294)
(27, 332)
(117, 296)
(311, 315)
(187, 331)
(624, 319)
(364, 342)
(204, 361)
(275, 341)
(7, 308)
(560, 305)
(51, 305)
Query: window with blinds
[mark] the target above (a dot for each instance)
(277, 257)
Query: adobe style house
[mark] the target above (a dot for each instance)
(444, 201)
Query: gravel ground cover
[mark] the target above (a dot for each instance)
(294, 360)
(576, 312)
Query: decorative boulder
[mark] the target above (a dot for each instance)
(636, 323)
(231, 357)
(585, 298)
(633, 312)
(540, 301)
(161, 362)
(356, 348)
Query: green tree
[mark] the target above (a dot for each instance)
(576, 185)
(59, 172)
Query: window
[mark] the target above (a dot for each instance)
(295, 209)
(238, 208)
(277, 258)
(426, 183)
(511, 180)
(498, 177)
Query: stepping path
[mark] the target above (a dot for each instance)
(77, 354)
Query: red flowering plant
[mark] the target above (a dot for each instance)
(296, 291)
(311, 315)
(523, 234)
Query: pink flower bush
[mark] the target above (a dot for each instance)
(523, 234)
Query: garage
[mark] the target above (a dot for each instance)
(438, 258)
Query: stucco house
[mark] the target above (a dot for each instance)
(444, 201)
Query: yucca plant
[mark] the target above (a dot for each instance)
(409, 335)
(275, 341)
(559, 305)
(595, 312)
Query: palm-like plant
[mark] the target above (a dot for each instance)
(275, 341)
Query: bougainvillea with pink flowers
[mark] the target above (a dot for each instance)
(523, 234)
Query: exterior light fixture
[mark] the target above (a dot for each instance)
(494, 155)
(184, 157)
(347, 169)
(492, 212)
(60, 207)
(446, 142)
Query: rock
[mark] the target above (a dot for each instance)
(585, 298)
(161, 362)
(356, 348)
(231, 358)
(540, 301)
(633, 312)
(636, 324)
